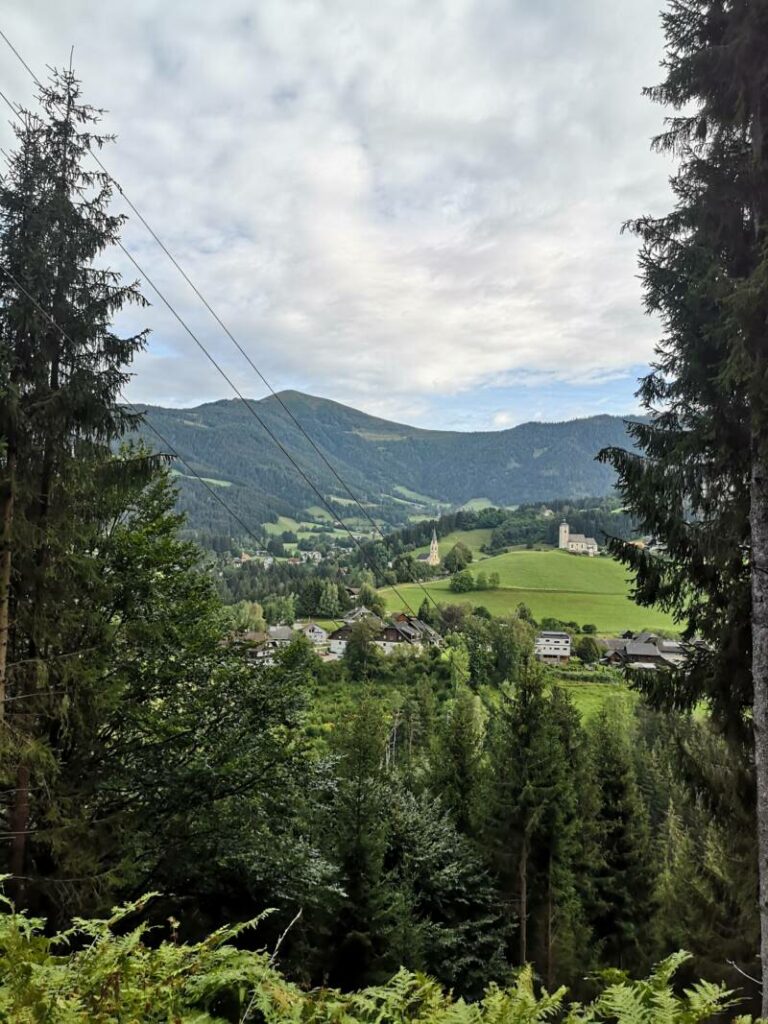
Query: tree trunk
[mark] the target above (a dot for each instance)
(19, 821)
(6, 558)
(758, 518)
(550, 929)
(524, 902)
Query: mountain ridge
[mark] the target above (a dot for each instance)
(383, 462)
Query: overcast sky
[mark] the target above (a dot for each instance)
(412, 207)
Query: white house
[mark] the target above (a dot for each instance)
(552, 647)
(576, 543)
(314, 633)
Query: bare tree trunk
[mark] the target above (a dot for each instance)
(759, 534)
(19, 821)
(524, 902)
(6, 559)
(758, 517)
(550, 929)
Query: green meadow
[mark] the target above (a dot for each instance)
(553, 584)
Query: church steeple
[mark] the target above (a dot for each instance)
(434, 550)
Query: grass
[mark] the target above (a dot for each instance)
(206, 479)
(553, 584)
(318, 512)
(474, 540)
(422, 499)
(478, 504)
(283, 523)
(590, 698)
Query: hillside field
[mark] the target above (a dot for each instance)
(552, 583)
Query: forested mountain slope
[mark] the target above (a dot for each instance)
(395, 467)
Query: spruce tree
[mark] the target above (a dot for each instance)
(63, 368)
(700, 482)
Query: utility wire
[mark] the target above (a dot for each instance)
(232, 338)
(151, 426)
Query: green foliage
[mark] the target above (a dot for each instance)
(458, 558)
(462, 582)
(110, 970)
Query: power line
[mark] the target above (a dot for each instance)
(232, 338)
(151, 426)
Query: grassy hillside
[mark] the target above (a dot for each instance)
(553, 584)
(473, 539)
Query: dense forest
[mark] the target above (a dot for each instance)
(386, 827)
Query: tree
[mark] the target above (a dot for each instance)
(372, 600)
(458, 558)
(359, 827)
(700, 485)
(462, 582)
(63, 368)
(494, 581)
(532, 814)
(589, 650)
(457, 755)
(361, 653)
(482, 581)
(624, 874)
(328, 605)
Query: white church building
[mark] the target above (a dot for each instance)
(576, 543)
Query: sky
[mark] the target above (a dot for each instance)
(413, 208)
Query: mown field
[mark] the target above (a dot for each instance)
(552, 583)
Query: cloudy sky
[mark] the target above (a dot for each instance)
(411, 206)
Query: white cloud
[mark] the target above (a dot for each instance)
(386, 202)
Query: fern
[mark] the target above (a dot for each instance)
(91, 975)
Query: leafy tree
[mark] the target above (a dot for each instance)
(589, 650)
(361, 653)
(482, 581)
(328, 605)
(494, 581)
(372, 600)
(458, 558)
(462, 582)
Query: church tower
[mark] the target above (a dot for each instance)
(565, 534)
(434, 550)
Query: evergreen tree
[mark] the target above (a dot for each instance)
(457, 756)
(359, 836)
(62, 373)
(624, 873)
(700, 485)
(532, 820)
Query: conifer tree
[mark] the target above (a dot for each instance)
(700, 482)
(62, 373)
(623, 875)
(456, 759)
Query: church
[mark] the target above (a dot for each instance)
(576, 543)
(433, 558)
